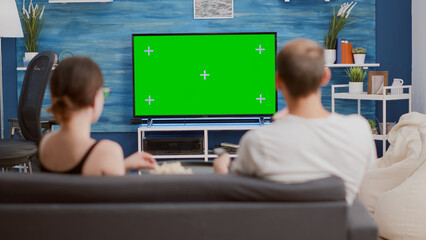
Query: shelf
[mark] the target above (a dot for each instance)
(365, 96)
(199, 127)
(365, 65)
(205, 128)
(289, 0)
(183, 156)
(25, 68)
(179, 156)
(79, 1)
(380, 137)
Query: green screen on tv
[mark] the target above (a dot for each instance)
(190, 75)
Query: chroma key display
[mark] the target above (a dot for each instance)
(204, 75)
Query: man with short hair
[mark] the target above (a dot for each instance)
(306, 142)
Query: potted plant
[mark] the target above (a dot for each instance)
(33, 22)
(338, 21)
(359, 55)
(356, 77)
(373, 126)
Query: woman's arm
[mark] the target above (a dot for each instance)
(107, 159)
(139, 160)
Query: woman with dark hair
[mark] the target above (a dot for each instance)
(77, 102)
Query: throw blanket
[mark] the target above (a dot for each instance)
(394, 188)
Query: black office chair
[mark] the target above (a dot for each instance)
(19, 151)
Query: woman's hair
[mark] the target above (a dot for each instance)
(73, 86)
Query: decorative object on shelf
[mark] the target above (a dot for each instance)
(356, 77)
(330, 56)
(359, 55)
(343, 52)
(389, 126)
(33, 23)
(28, 57)
(338, 21)
(397, 82)
(10, 27)
(339, 51)
(106, 91)
(209, 9)
(373, 127)
(64, 54)
(346, 52)
(376, 81)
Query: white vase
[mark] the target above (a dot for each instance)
(359, 58)
(355, 87)
(28, 57)
(330, 56)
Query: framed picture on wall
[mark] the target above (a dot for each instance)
(376, 81)
(208, 9)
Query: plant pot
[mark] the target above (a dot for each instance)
(28, 57)
(355, 87)
(330, 56)
(359, 58)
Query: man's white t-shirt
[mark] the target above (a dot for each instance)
(295, 149)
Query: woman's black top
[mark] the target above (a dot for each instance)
(75, 170)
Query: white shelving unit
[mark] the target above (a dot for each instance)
(364, 66)
(205, 128)
(386, 96)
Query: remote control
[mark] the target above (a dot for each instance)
(219, 151)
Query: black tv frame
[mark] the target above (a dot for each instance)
(135, 117)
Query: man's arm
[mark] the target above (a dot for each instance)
(221, 164)
(245, 163)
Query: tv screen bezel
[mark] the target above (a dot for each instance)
(198, 116)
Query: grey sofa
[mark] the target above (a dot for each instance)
(50, 206)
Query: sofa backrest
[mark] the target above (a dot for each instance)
(55, 188)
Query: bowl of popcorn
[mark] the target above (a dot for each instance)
(170, 168)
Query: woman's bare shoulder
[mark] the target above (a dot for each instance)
(47, 140)
(109, 147)
(106, 159)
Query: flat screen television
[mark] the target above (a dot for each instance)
(204, 75)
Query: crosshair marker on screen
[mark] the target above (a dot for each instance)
(260, 98)
(149, 51)
(149, 100)
(260, 49)
(205, 75)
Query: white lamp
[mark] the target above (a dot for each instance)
(10, 27)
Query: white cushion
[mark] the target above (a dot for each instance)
(401, 212)
(394, 188)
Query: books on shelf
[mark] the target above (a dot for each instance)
(344, 52)
(347, 53)
(339, 51)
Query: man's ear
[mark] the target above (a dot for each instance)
(278, 81)
(95, 99)
(326, 77)
(280, 85)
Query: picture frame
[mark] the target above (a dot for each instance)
(376, 81)
(213, 9)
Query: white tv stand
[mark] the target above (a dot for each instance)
(205, 128)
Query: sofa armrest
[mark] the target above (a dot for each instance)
(361, 225)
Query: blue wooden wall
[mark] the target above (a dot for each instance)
(103, 31)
